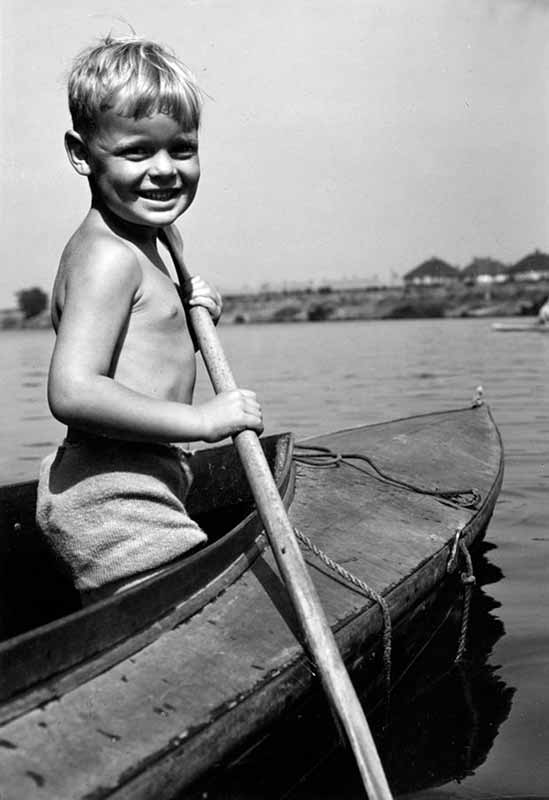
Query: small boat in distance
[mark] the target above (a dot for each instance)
(520, 327)
(144, 693)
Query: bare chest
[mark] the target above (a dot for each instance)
(159, 308)
(157, 355)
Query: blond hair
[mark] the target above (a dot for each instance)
(136, 76)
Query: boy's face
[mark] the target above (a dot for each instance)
(146, 171)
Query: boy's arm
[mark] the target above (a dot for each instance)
(98, 300)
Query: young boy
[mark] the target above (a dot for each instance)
(110, 500)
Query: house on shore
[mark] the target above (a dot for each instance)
(433, 272)
(484, 271)
(533, 267)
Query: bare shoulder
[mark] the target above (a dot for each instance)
(100, 257)
(96, 263)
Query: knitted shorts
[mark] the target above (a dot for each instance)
(111, 509)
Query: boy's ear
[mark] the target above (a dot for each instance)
(77, 152)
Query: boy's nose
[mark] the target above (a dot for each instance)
(162, 165)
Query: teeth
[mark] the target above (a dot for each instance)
(159, 195)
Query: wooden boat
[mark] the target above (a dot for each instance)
(144, 693)
(520, 327)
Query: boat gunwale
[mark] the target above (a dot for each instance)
(443, 412)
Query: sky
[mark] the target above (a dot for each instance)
(340, 139)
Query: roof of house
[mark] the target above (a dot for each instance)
(534, 262)
(484, 266)
(432, 268)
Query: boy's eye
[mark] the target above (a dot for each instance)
(135, 153)
(183, 151)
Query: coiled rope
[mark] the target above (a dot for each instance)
(322, 457)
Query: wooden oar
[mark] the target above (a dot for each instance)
(318, 636)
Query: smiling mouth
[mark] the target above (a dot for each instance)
(161, 195)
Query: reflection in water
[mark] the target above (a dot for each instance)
(440, 726)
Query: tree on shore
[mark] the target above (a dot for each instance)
(32, 301)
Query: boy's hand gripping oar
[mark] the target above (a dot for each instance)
(316, 630)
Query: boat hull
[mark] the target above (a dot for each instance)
(156, 722)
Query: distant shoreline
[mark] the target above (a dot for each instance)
(413, 302)
(371, 303)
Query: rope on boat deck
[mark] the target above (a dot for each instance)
(320, 457)
(368, 591)
(323, 457)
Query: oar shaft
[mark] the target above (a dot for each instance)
(318, 635)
